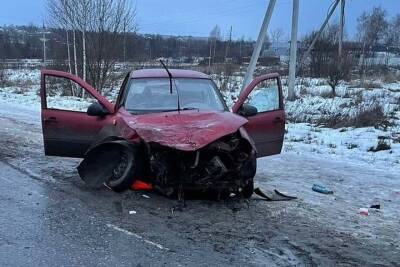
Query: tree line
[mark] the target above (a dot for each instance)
(376, 32)
(88, 37)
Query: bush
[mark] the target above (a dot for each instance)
(331, 121)
(327, 94)
(382, 145)
(373, 116)
(352, 146)
(370, 85)
(338, 70)
(390, 77)
(365, 117)
(3, 78)
(366, 84)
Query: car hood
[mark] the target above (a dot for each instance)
(187, 130)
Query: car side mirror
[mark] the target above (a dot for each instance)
(247, 110)
(97, 109)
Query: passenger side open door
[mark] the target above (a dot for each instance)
(261, 102)
(68, 130)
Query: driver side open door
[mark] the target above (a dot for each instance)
(68, 130)
(267, 126)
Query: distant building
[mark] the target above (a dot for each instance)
(277, 49)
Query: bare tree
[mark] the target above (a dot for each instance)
(323, 50)
(372, 27)
(102, 24)
(60, 15)
(82, 18)
(59, 18)
(111, 19)
(276, 36)
(393, 33)
(337, 70)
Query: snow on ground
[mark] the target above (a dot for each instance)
(23, 75)
(303, 135)
(349, 144)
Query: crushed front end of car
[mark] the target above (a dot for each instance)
(192, 150)
(225, 165)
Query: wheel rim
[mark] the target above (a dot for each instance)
(120, 169)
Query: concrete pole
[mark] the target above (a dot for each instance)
(44, 47)
(340, 52)
(293, 50)
(43, 39)
(260, 40)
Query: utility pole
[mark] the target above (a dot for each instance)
(340, 52)
(229, 44)
(293, 50)
(209, 58)
(43, 39)
(68, 54)
(124, 45)
(259, 43)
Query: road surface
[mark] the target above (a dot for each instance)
(49, 217)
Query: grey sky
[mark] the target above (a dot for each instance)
(197, 18)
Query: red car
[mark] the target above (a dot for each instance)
(176, 132)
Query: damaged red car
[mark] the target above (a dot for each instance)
(171, 128)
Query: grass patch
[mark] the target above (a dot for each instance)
(332, 145)
(372, 116)
(352, 146)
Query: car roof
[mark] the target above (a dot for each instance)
(162, 73)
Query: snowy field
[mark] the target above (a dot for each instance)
(313, 110)
(306, 133)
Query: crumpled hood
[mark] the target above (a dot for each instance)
(188, 130)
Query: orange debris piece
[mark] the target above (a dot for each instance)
(141, 186)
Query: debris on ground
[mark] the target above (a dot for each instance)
(273, 195)
(141, 186)
(376, 206)
(145, 196)
(363, 211)
(321, 189)
(132, 212)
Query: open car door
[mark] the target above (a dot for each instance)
(262, 104)
(67, 129)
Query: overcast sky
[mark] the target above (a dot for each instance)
(197, 18)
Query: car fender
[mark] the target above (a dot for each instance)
(247, 137)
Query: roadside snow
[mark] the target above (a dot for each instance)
(349, 144)
(23, 75)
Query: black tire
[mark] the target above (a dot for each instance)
(124, 176)
(247, 173)
(247, 191)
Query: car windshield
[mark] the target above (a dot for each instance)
(146, 95)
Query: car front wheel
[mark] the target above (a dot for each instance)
(248, 171)
(124, 172)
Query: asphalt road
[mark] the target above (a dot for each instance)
(49, 217)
